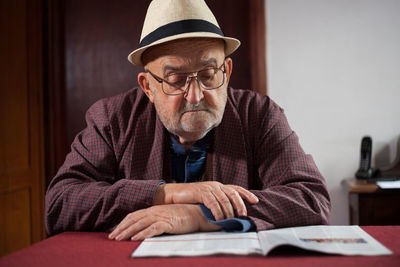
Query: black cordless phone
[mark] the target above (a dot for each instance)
(365, 171)
(365, 157)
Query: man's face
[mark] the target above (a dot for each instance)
(191, 115)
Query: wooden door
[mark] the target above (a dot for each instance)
(89, 41)
(21, 133)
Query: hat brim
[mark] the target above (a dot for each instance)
(231, 44)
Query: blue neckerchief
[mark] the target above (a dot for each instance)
(188, 166)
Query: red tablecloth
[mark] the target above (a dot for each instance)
(94, 249)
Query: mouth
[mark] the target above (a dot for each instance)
(193, 111)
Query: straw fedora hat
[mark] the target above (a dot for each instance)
(168, 20)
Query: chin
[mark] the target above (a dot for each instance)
(192, 132)
(199, 122)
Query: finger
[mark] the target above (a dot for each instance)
(224, 202)
(155, 229)
(120, 227)
(245, 194)
(135, 228)
(236, 200)
(126, 222)
(211, 202)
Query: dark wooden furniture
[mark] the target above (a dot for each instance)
(95, 249)
(370, 205)
(21, 122)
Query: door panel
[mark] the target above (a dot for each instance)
(15, 228)
(21, 134)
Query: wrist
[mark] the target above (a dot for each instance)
(164, 194)
(159, 198)
(204, 224)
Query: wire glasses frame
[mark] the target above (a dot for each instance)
(178, 83)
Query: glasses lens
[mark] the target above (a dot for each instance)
(175, 83)
(211, 78)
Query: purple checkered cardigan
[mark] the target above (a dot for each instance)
(116, 163)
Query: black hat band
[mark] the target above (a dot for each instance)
(179, 27)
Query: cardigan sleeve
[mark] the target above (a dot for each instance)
(88, 192)
(291, 190)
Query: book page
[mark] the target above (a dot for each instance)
(199, 244)
(344, 240)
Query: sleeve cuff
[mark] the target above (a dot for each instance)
(230, 225)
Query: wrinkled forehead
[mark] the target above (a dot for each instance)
(185, 52)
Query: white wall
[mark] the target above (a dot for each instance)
(334, 66)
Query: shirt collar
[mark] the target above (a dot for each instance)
(201, 145)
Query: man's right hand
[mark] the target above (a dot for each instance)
(224, 201)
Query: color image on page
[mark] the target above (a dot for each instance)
(343, 240)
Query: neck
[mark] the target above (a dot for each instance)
(188, 140)
(182, 141)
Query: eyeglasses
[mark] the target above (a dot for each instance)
(178, 83)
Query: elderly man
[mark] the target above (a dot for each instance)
(185, 153)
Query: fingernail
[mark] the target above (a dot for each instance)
(119, 238)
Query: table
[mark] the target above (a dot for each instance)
(94, 249)
(370, 205)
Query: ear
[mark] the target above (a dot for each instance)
(145, 85)
(228, 68)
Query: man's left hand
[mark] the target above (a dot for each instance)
(156, 220)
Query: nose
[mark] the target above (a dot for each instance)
(194, 93)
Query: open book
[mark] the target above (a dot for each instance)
(344, 240)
